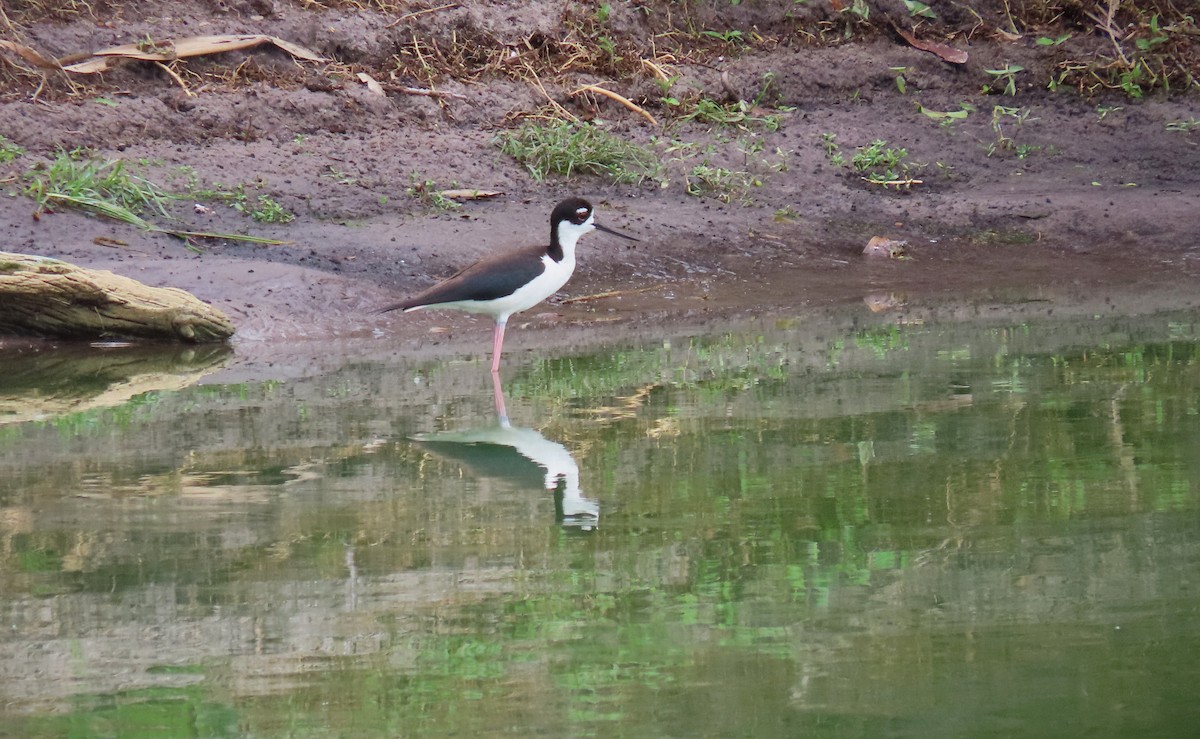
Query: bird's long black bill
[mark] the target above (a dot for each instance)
(608, 230)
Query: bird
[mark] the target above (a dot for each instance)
(514, 281)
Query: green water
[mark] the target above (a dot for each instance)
(943, 529)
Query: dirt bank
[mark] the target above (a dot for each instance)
(1053, 188)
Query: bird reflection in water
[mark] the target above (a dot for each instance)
(522, 456)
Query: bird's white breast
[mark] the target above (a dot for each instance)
(553, 277)
(543, 286)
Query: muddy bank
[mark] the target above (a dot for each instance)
(1102, 198)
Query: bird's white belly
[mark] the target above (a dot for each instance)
(525, 297)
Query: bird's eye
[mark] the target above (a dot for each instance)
(581, 214)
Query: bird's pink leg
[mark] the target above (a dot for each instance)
(498, 398)
(497, 344)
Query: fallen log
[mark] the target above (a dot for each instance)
(47, 297)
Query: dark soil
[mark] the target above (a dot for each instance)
(1106, 196)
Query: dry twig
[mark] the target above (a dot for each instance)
(422, 91)
(619, 98)
(179, 80)
(610, 294)
(1106, 25)
(415, 13)
(538, 83)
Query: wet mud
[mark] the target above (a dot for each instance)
(1100, 212)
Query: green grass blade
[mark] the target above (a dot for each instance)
(185, 235)
(99, 206)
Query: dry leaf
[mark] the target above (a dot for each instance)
(371, 83)
(172, 49)
(944, 51)
(29, 55)
(470, 194)
(91, 66)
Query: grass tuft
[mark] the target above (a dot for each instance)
(264, 209)
(566, 148)
(9, 151)
(80, 179)
(876, 163)
(428, 192)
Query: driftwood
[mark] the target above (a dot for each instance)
(46, 297)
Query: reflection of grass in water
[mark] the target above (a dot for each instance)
(883, 339)
(1004, 390)
(105, 419)
(39, 560)
(158, 712)
(447, 664)
(585, 648)
(709, 367)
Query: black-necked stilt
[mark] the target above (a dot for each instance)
(515, 281)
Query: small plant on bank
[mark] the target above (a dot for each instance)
(880, 164)
(947, 118)
(1006, 125)
(338, 176)
(738, 115)
(917, 8)
(1006, 77)
(234, 197)
(267, 210)
(858, 8)
(148, 45)
(9, 151)
(567, 148)
(876, 163)
(263, 209)
(832, 150)
(1047, 41)
(731, 37)
(723, 182)
(428, 192)
(1191, 124)
(786, 214)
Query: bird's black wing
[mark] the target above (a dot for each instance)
(487, 279)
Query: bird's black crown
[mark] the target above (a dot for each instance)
(575, 210)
